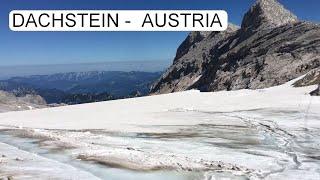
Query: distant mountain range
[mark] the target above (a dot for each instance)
(7, 72)
(82, 87)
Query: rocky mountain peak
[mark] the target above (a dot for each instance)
(266, 14)
(271, 48)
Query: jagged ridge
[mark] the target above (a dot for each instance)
(271, 47)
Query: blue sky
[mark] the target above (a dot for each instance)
(28, 48)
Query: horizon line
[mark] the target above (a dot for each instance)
(96, 62)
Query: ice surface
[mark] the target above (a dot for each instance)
(19, 164)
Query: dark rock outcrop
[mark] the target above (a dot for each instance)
(312, 78)
(316, 92)
(271, 47)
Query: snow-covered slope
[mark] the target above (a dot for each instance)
(127, 114)
(270, 133)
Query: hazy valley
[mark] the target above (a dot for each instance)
(82, 87)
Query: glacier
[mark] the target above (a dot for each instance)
(271, 133)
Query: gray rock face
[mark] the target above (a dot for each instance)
(271, 48)
(191, 62)
(266, 14)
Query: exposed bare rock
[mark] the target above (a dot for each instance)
(192, 39)
(271, 48)
(265, 59)
(9, 102)
(190, 62)
(266, 14)
(312, 78)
